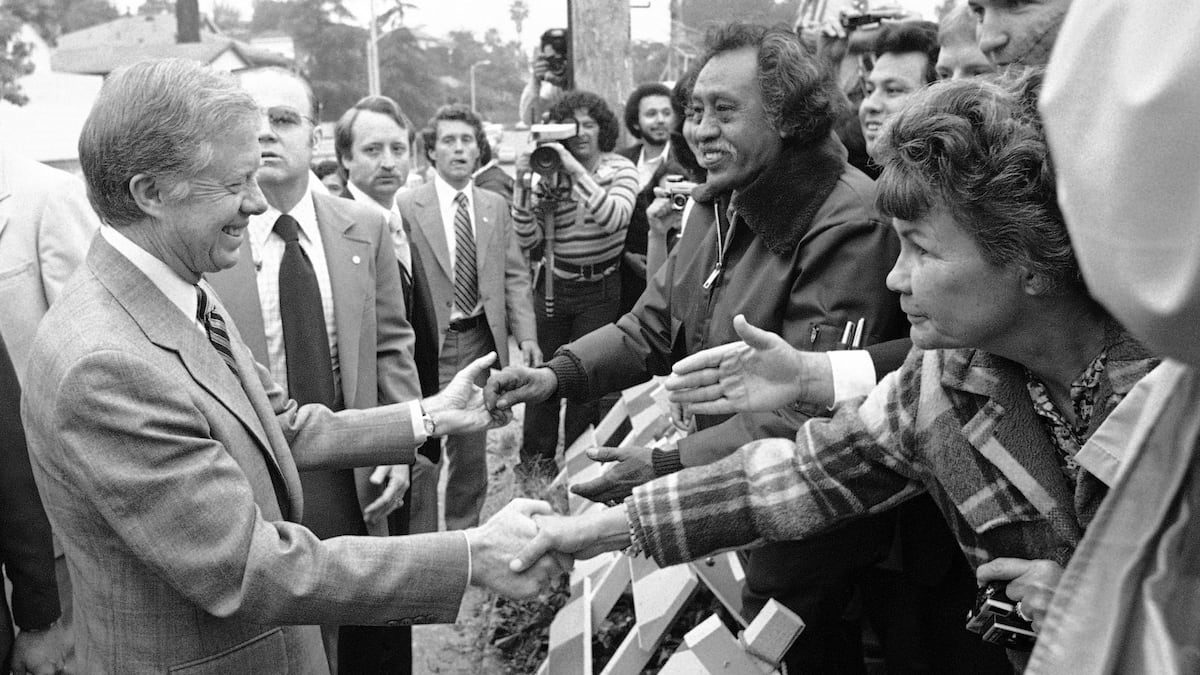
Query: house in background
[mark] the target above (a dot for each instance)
(67, 78)
(101, 49)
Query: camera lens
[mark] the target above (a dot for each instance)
(678, 201)
(545, 161)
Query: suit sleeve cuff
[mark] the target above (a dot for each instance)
(415, 414)
(853, 374)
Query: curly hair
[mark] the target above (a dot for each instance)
(455, 112)
(800, 96)
(596, 108)
(977, 148)
(634, 103)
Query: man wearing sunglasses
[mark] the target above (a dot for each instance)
(308, 314)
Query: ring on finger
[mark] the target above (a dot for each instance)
(1021, 612)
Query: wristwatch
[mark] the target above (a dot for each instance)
(430, 425)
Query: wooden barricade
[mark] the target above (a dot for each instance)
(659, 595)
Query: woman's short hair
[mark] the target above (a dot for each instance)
(801, 98)
(159, 118)
(597, 109)
(977, 148)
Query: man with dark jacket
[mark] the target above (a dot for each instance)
(784, 231)
(650, 116)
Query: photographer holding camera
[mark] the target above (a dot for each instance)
(551, 76)
(591, 193)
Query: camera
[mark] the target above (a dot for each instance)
(853, 20)
(545, 161)
(995, 619)
(558, 40)
(678, 191)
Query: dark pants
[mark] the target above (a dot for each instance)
(817, 578)
(579, 308)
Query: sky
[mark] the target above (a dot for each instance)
(440, 17)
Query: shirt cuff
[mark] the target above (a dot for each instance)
(469, 570)
(416, 415)
(853, 373)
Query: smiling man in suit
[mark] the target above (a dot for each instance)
(168, 459)
(328, 322)
(478, 280)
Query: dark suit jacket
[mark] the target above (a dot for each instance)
(375, 341)
(26, 551)
(497, 180)
(637, 237)
(421, 316)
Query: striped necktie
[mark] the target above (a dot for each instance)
(466, 282)
(214, 326)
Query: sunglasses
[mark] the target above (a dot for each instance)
(283, 117)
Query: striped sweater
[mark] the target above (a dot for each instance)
(607, 196)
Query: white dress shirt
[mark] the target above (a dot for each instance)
(181, 293)
(446, 195)
(647, 167)
(267, 250)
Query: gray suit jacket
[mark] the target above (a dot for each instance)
(159, 470)
(503, 273)
(46, 224)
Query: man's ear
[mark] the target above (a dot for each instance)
(149, 193)
(316, 137)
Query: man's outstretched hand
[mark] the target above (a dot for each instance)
(634, 467)
(460, 407)
(505, 535)
(760, 373)
(519, 384)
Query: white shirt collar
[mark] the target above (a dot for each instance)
(360, 196)
(179, 291)
(662, 156)
(447, 192)
(304, 212)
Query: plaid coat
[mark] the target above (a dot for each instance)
(958, 424)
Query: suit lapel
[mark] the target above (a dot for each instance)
(238, 291)
(5, 191)
(429, 222)
(167, 328)
(347, 254)
(485, 225)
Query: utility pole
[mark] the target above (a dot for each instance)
(600, 48)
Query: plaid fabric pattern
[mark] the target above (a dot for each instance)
(956, 423)
(607, 197)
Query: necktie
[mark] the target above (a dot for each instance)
(466, 283)
(214, 325)
(305, 340)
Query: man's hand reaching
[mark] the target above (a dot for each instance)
(760, 373)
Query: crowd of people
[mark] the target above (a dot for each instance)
(911, 284)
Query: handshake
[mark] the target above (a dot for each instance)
(524, 546)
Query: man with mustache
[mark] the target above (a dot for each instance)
(785, 230)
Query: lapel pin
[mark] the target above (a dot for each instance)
(355, 260)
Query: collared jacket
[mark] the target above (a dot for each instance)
(805, 253)
(958, 424)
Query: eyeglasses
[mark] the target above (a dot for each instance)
(282, 117)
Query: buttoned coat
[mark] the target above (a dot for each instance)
(46, 224)
(501, 268)
(375, 341)
(160, 470)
